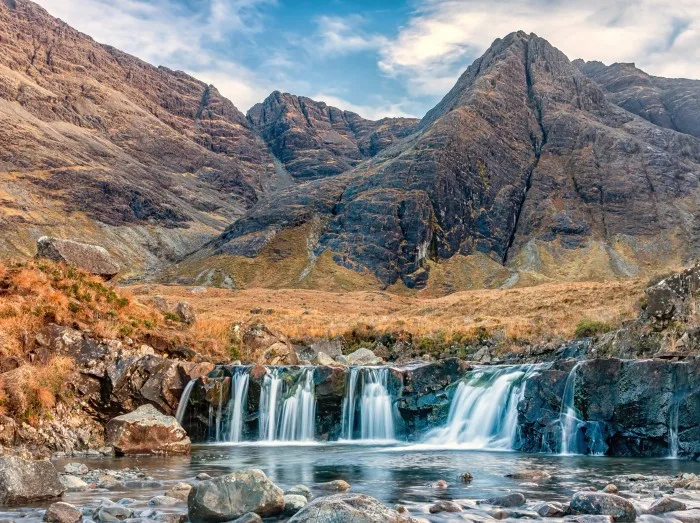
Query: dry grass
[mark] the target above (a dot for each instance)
(520, 315)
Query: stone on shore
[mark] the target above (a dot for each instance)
(23, 481)
(180, 491)
(348, 508)
(61, 512)
(602, 504)
(146, 431)
(91, 258)
(231, 496)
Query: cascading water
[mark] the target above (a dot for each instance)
(484, 411)
(291, 418)
(238, 403)
(374, 404)
(673, 430)
(184, 400)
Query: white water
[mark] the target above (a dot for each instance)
(569, 416)
(184, 400)
(238, 403)
(269, 400)
(484, 411)
(374, 404)
(673, 431)
(290, 419)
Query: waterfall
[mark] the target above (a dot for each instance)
(269, 399)
(290, 418)
(219, 413)
(484, 411)
(673, 430)
(184, 400)
(568, 416)
(238, 403)
(374, 404)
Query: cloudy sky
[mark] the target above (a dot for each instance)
(378, 58)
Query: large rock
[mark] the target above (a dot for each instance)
(231, 496)
(601, 504)
(23, 481)
(63, 513)
(363, 356)
(348, 508)
(146, 431)
(91, 258)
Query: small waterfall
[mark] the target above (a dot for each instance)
(299, 410)
(374, 404)
(184, 400)
(269, 402)
(673, 430)
(218, 416)
(238, 403)
(569, 416)
(484, 411)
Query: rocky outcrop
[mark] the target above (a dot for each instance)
(91, 258)
(673, 103)
(314, 140)
(523, 161)
(229, 497)
(146, 431)
(24, 481)
(99, 145)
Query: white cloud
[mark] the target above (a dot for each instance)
(377, 111)
(444, 36)
(344, 35)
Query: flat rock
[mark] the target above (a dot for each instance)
(146, 431)
(231, 496)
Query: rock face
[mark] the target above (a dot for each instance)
(673, 103)
(600, 504)
(23, 481)
(314, 140)
(146, 431)
(523, 161)
(91, 258)
(99, 145)
(348, 508)
(231, 496)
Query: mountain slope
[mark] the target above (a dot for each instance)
(524, 163)
(98, 145)
(673, 103)
(314, 140)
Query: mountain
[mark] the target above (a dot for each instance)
(98, 145)
(673, 103)
(524, 171)
(314, 140)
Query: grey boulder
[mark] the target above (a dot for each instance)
(91, 258)
(63, 513)
(602, 504)
(348, 508)
(23, 481)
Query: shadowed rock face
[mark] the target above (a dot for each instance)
(314, 140)
(673, 103)
(93, 139)
(524, 153)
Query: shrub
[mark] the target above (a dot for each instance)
(590, 328)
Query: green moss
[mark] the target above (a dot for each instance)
(590, 328)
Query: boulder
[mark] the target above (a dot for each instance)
(110, 512)
(146, 431)
(514, 499)
(665, 504)
(363, 356)
(91, 258)
(445, 506)
(337, 485)
(73, 483)
(348, 508)
(602, 504)
(273, 347)
(324, 359)
(185, 313)
(63, 513)
(231, 496)
(550, 509)
(293, 503)
(24, 481)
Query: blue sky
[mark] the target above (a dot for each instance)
(390, 58)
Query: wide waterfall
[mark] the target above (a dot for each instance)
(376, 416)
(484, 411)
(290, 418)
(184, 400)
(577, 435)
(238, 403)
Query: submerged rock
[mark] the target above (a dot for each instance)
(445, 506)
(146, 431)
(231, 496)
(665, 504)
(337, 485)
(550, 509)
(23, 481)
(63, 513)
(602, 504)
(514, 499)
(533, 475)
(348, 508)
